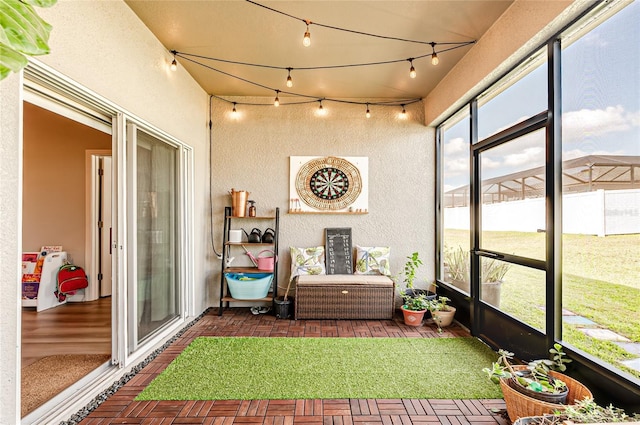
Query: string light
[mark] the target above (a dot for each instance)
(412, 70)
(434, 55)
(289, 79)
(333, 27)
(174, 64)
(321, 111)
(187, 57)
(276, 101)
(306, 40)
(192, 57)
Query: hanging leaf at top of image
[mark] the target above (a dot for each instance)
(22, 33)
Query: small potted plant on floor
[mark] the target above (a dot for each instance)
(441, 312)
(538, 387)
(585, 411)
(414, 308)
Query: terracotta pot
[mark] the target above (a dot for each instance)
(413, 317)
(444, 318)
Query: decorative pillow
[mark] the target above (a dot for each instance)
(307, 261)
(372, 260)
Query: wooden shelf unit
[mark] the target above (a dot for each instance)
(225, 295)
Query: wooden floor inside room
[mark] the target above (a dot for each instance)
(120, 408)
(71, 328)
(60, 346)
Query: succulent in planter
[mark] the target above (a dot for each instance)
(441, 312)
(535, 378)
(585, 411)
(550, 390)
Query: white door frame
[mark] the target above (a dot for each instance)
(92, 192)
(47, 86)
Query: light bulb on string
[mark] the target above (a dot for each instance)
(234, 112)
(412, 70)
(368, 113)
(403, 114)
(289, 79)
(276, 101)
(434, 55)
(174, 64)
(321, 110)
(306, 40)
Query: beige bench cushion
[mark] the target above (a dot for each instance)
(344, 279)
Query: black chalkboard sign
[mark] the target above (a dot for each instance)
(338, 250)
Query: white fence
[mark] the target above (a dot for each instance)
(602, 212)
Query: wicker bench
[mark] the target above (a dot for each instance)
(344, 297)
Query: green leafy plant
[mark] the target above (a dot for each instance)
(439, 304)
(588, 411)
(558, 361)
(583, 412)
(457, 262)
(22, 33)
(412, 264)
(536, 377)
(417, 302)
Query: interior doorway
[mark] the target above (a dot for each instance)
(99, 223)
(64, 344)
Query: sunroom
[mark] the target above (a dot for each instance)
(523, 154)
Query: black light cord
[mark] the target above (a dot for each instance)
(309, 22)
(213, 245)
(399, 102)
(315, 98)
(311, 68)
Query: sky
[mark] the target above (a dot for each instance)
(600, 103)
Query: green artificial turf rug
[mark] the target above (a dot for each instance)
(250, 368)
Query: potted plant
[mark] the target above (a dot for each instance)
(283, 305)
(456, 262)
(585, 411)
(408, 276)
(536, 388)
(441, 312)
(414, 308)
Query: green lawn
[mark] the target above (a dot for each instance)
(601, 281)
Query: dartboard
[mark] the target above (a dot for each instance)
(328, 183)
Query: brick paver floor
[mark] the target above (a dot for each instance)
(120, 408)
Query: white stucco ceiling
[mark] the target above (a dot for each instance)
(238, 30)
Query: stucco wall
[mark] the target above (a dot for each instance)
(106, 48)
(252, 153)
(10, 240)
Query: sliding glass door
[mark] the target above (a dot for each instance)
(154, 295)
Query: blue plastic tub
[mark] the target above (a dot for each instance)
(248, 286)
